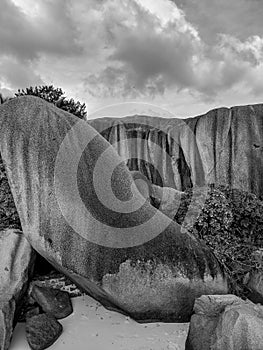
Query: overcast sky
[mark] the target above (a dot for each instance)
(186, 56)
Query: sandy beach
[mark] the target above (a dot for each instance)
(93, 327)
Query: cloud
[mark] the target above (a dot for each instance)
(239, 18)
(133, 49)
(249, 50)
(26, 36)
(149, 56)
(146, 56)
(18, 74)
(50, 30)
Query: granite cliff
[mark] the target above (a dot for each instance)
(222, 146)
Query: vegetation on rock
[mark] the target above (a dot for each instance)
(8, 214)
(230, 223)
(55, 96)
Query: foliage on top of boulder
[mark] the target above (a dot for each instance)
(230, 222)
(8, 214)
(55, 96)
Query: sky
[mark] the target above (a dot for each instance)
(168, 57)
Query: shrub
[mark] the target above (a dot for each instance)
(8, 214)
(55, 96)
(230, 223)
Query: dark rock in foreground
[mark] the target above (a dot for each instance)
(225, 322)
(79, 208)
(52, 301)
(42, 331)
(34, 311)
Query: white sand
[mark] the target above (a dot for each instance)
(92, 327)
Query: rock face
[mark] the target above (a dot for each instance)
(80, 209)
(7, 314)
(225, 322)
(16, 267)
(223, 146)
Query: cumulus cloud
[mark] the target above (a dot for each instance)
(26, 36)
(112, 49)
(146, 56)
(239, 18)
(150, 56)
(18, 74)
(50, 30)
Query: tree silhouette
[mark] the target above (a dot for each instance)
(55, 96)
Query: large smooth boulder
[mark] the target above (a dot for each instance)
(225, 322)
(80, 209)
(16, 266)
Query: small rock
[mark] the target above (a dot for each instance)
(42, 331)
(52, 301)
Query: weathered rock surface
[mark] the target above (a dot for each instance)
(34, 311)
(42, 331)
(16, 267)
(80, 209)
(52, 301)
(225, 322)
(223, 146)
(7, 314)
(168, 199)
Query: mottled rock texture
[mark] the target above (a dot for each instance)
(139, 261)
(42, 331)
(16, 267)
(52, 301)
(225, 322)
(222, 146)
(7, 314)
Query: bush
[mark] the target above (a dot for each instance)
(8, 214)
(55, 96)
(230, 223)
